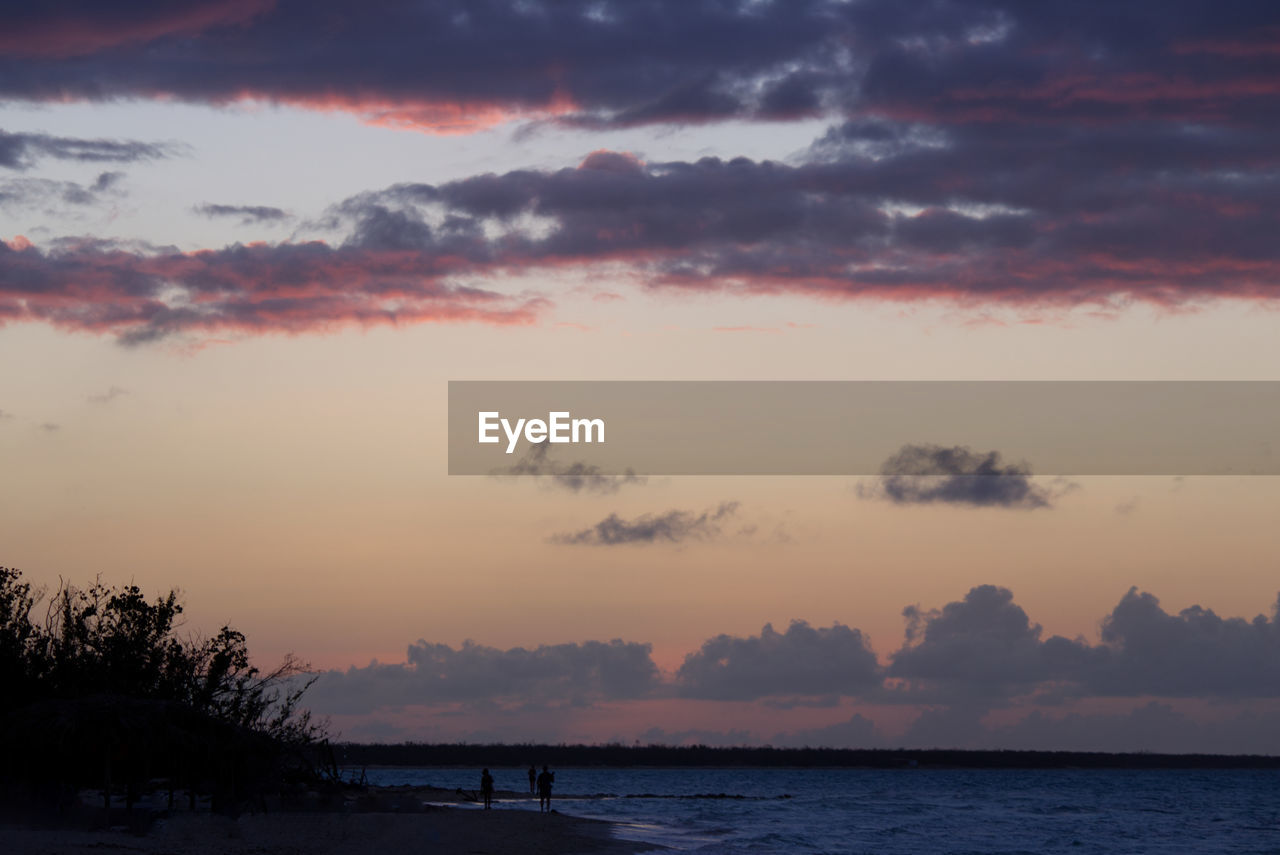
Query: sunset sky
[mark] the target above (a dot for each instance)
(247, 243)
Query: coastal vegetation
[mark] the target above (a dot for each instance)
(101, 690)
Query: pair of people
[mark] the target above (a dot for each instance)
(542, 783)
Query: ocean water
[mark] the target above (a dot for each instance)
(909, 810)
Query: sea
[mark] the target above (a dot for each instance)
(910, 810)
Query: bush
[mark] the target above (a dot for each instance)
(105, 692)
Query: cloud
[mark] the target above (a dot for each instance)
(983, 647)
(988, 153)
(247, 214)
(451, 66)
(145, 294)
(881, 207)
(670, 527)
(856, 732)
(557, 674)
(978, 671)
(1194, 653)
(23, 150)
(803, 661)
(576, 477)
(459, 65)
(55, 196)
(50, 427)
(882, 211)
(108, 396)
(933, 474)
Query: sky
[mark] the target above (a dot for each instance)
(247, 243)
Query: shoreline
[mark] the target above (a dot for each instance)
(391, 819)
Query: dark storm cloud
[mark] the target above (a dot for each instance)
(933, 474)
(803, 661)
(23, 150)
(576, 477)
(674, 526)
(246, 214)
(433, 674)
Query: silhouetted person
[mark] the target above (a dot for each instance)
(545, 780)
(486, 788)
(533, 778)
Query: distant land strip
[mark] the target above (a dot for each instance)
(357, 755)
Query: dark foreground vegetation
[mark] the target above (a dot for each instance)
(98, 690)
(419, 754)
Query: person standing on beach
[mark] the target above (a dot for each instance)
(533, 777)
(545, 780)
(486, 788)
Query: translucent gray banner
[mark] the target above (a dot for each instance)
(863, 428)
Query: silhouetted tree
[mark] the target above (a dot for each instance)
(106, 685)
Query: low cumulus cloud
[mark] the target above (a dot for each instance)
(958, 664)
(857, 731)
(246, 214)
(557, 674)
(935, 474)
(984, 649)
(1194, 653)
(803, 661)
(674, 526)
(576, 477)
(983, 646)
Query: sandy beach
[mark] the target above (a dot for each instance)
(399, 820)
